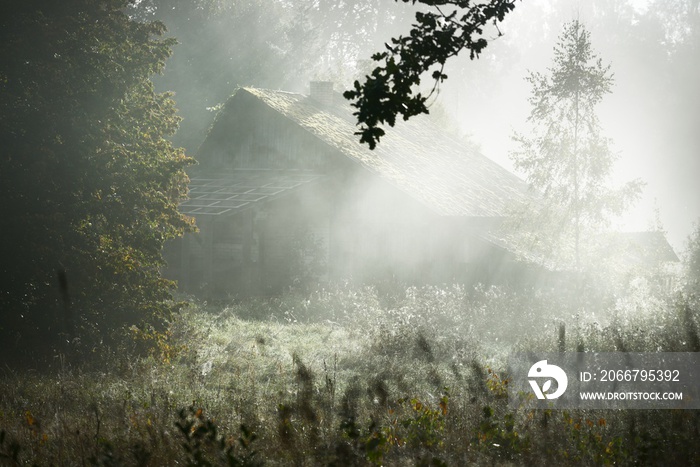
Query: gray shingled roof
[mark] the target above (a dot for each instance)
(227, 193)
(415, 156)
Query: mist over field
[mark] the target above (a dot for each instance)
(202, 264)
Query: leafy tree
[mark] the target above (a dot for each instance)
(89, 184)
(436, 36)
(565, 155)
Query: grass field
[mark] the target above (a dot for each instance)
(346, 377)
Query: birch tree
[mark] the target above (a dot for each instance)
(565, 155)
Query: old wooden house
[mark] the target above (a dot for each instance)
(284, 192)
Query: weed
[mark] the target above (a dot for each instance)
(205, 447)
(355, 381)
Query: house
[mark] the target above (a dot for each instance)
(284, 192)
(637, 254)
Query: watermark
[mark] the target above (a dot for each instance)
(552, 372)
(619, 380)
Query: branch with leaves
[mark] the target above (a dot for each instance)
(390, 89)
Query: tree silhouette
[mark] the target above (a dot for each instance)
(89, 183)
(437, 35)
(565, 155)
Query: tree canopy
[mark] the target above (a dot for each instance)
(90, 184)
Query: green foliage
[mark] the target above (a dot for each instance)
(565, 156)
(498, 435)
(424, 426)
(89, 182)
(205, 447)
(369, 444)
(589, 443)
(411, 426)
(435, 37)
(279, 380)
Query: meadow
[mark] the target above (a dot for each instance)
(348, 376)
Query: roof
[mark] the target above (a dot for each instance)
(642, 248)
(416, 156)
(240, 189)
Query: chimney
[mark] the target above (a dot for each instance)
(322, 92)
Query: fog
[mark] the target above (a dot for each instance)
(651, 115)
(337, 305)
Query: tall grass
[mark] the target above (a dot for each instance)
(347, 376)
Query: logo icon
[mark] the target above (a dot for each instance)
(542, 370)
